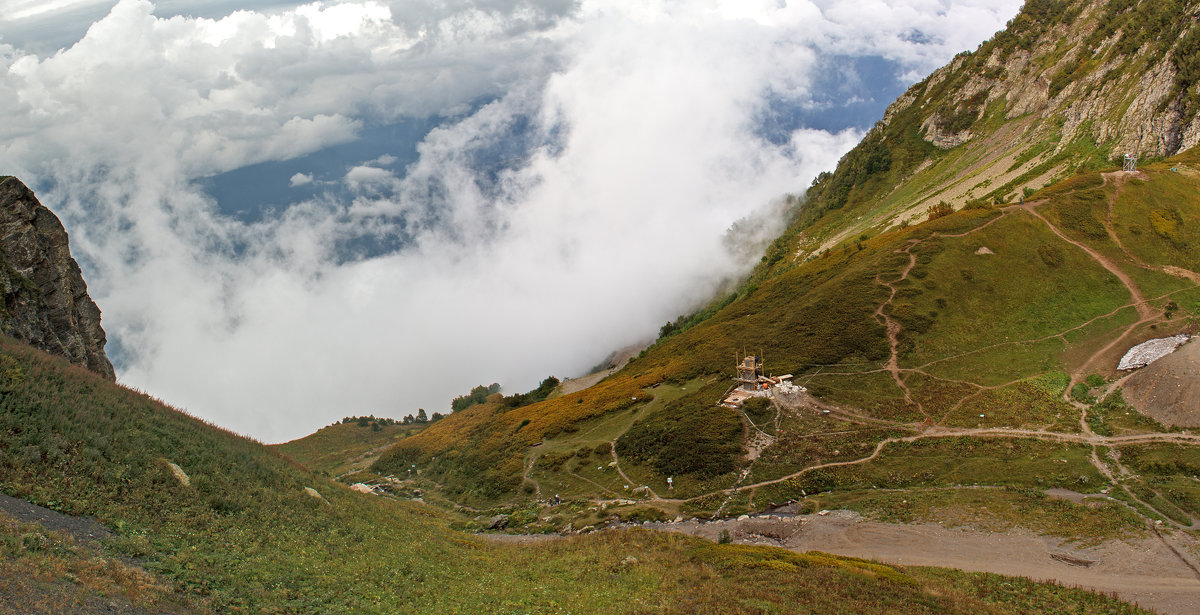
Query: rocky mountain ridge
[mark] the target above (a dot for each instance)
(1070, 86)
(45, 300)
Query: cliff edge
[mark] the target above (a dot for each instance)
(45, 300)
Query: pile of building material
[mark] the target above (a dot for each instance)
(1148, 352)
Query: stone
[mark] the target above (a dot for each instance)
(498, 522)
(45, 300)
(180, 475)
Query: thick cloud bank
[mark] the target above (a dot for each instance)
(587, 163)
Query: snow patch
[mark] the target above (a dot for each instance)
(1148, 352)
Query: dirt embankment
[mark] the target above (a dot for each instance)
(1168, 390)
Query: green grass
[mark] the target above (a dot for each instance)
(1160, 220)
(344, 447)
(244, 536)
(958, 286)
(1114, 416)
(1029, 404)
(49, 572)
(950, 462)
(993, 510)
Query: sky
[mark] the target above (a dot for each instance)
(293, 212)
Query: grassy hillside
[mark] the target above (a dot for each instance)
(972, 264)
(240, 534)
(343, 448)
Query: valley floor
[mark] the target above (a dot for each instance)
(1144, 571)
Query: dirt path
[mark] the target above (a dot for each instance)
(994, 432)
(85, 530)
(529, 463)
(1138, 300)
(629, 481)
(1145, 570)
(893, 327)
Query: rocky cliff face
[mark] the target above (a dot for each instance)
(45, 300)
(1069, 86)
(1104, 71)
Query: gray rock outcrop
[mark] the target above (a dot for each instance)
(45, 300)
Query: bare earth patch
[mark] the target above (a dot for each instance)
(1168, 390)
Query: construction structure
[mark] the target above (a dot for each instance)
(748, 372)
(752, 381)
(1131, 163)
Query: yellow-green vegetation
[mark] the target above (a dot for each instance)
(346, 447)
(992, 509)
(242, 535)
(1112, 416)
(1049, 305)
(955, 296)
(952, 462)
(1032, 404)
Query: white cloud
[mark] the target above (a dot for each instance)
(641, 150)
(300, 179)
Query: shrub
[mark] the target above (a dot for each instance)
(939, 210)
(690, 436)
(1050, 255)
(1082, 393)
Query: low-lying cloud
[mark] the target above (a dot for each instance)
(590, 160)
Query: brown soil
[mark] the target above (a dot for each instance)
(1145, 571)
(1168, 390)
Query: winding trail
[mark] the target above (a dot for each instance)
(893, 327)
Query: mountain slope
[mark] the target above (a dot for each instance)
(955, 296)
(224, 524)
(345, 447)
(1069, 86)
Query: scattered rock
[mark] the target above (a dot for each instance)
(362, 488)
(629, 561)
(498, 522)
(983, 251)
(313, 493)
(1072, 560)
(180, 475)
